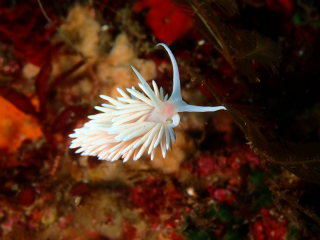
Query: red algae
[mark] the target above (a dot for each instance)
(26, 196)
(79, 189)
(267, 227)
(167, 21)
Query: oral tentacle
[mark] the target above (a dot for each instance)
(176, 92)
(193, 108)
(182, 106)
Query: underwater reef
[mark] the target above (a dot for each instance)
(251, 171)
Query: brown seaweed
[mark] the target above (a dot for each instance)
(242, 49)
(41, 85)
(302, 159)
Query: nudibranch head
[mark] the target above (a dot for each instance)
(135, 123)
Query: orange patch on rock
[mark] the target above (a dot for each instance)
(16, 126)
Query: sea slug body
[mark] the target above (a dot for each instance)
(135, 122)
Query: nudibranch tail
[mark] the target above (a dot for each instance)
(135, 122)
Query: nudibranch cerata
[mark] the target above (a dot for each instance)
(135, 122)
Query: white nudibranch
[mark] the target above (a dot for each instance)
(135, 122)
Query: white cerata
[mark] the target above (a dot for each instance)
(135, 122)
